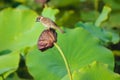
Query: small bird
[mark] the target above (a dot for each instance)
(48, 23)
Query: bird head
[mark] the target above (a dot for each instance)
(38, 19)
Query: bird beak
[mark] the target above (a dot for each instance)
(38, 19)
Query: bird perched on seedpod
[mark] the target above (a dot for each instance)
(48, 23)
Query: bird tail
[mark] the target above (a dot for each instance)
(58, 28)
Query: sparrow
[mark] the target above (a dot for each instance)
(48, 23)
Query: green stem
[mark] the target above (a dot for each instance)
(65, 61)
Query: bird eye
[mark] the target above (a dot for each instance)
(38, 19)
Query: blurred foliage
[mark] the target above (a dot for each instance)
(91, 43)
(93, 72)
(9, 63)
(106, 36)
(19, 26)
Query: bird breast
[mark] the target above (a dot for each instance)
(46, 22)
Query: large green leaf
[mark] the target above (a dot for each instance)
(80, 49)
(94, 71)
(18, 28)
(104, 35)
(9, 63)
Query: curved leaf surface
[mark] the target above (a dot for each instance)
(80, 49)
(18, 28)
(104, 35)
(9, 63)
(94, 71)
